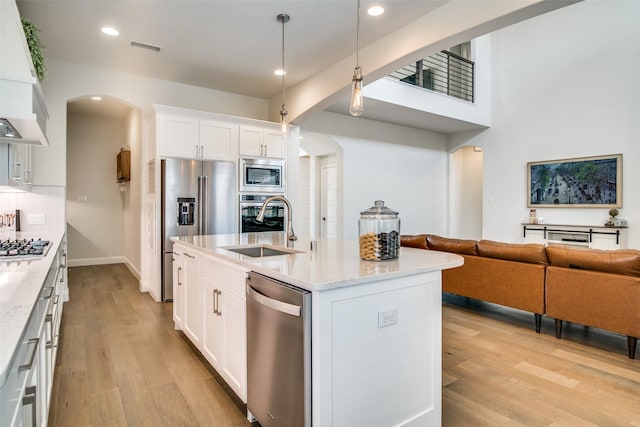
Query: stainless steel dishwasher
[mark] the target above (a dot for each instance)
(278, 352)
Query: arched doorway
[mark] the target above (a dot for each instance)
(103, 216)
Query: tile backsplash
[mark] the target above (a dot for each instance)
(42, 209)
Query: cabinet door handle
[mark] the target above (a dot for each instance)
(215, 309)
(266, 153)
(219, 313)
(29, 398)
(50, 290)
(179, 281)
(186, 254)
(34, 342)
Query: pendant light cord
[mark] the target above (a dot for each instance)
(283, 71)
(358, 35)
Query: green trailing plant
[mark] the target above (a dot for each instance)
(36, 48)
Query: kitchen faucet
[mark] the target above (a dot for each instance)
(290, 236)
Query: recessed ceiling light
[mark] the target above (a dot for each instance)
(96, 98)
(280, 72)
(110, 31)
(375, 10)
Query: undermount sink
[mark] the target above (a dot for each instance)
(261, 251)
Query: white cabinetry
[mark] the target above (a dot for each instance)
(192, 316)
(16, 168)
(592, 237)
(218, 140)
(178, 288)
(224, 336)
(178, 137)
(261, 142)
(192, 138)
(349, 343)
(209, 306)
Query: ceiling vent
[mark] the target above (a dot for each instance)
(145, 46)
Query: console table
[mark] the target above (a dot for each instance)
(590, 236)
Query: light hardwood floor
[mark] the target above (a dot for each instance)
(121, 363)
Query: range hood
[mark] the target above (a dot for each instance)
(21, 99)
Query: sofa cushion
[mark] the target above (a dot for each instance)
(626, 261)
(532, 253)
(458, 246)
(418, 241)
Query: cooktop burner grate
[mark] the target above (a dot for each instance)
(23, 248)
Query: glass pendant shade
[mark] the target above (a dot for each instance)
(284, 126)
(357, 100)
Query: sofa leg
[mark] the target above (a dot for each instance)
(631, 346)
(558, 328)
(538, 321)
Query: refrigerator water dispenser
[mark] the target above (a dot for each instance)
(186, 210)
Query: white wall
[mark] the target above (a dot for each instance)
(68, 81)
(405, 167)
(133, 196)
(564, 85)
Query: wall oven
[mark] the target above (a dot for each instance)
(262, 175)
(274, 218)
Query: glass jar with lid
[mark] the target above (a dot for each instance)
(379, 230)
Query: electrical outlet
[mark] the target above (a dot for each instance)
(36, 219)
(387, 317)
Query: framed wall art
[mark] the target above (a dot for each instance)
(577, 183)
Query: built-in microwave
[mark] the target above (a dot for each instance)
(262, 175)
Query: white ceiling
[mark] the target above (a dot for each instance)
(235, 45)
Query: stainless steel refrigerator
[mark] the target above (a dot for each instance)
(198, 198)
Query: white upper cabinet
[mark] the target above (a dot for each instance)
(178, 137)
(21, 98)
(191, 138)
(261, 142)
(218, 140)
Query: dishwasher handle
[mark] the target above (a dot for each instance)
(280, 306)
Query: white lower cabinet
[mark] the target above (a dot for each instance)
(192, 316)
(225, 326)
(214, 316)
(178, 288)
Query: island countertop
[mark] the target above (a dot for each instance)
(332, 264)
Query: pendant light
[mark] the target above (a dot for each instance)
(284, 126)
(356, 106)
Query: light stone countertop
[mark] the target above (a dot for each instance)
(333, 264)
(20, 285)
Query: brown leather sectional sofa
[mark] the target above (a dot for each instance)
(591, 287)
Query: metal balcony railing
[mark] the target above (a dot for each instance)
(443, 72)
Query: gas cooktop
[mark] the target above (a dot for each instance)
(23, 248)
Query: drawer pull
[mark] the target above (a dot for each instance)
(34, 342)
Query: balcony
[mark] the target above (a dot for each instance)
(444, 72)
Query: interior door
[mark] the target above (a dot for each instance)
(328, 198)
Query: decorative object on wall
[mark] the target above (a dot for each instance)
(357, 101)
(123, 169)
(580, 182)
(284, 126)
(35, 48)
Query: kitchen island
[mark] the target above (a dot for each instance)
(376, 327)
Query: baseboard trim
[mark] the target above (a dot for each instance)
(84, 262)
